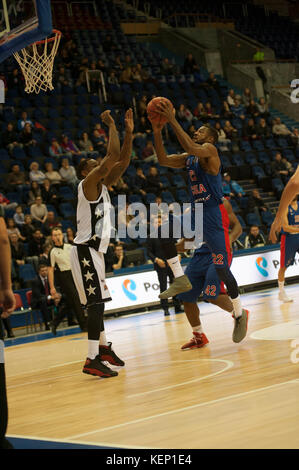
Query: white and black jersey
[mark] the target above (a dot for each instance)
(94, 220)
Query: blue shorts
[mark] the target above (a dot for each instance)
(289, 246)
(216, 234)
(204, 279)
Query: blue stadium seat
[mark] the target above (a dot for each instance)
(27, 273)
(252, 219)
(267, 218)
(66, 193)
(167, 197)
(67, 209)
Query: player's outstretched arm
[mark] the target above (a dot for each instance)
(288, 194)
(7, 298)
(234, 223)
(172, 161)
(206, 150)
(125, 154)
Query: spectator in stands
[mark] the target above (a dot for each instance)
(34, 191)
(68, 173)
(230, 131)
(250, 132)
(51, 222)
(143, 127)
(69, 147)
(149, 153)
(256, 203)
(39, 211)
(69, 236)
(136, 75)
(288, 165)
(145, 76)
(28, 228)
(49, 194)
(167, 68)
(200, 112)
(153, 183)
(294, 137)
(55, 150)
(16, 179)
(139, 182)
(223, 141)
(263, 108)
(19, 217)
(52, 175)
(108, 45)
(126, 76)
(16, 80)
(255, 238)
(10, 138)
(23, 121)
(99, 141)
(210, 111)
(63, 78)
(279, 168)
(6, 204)
(213, 83)
(36, 244)
(35, 173)
(252, 109)
(41, 297)
(117, 64)
(184, 114)
(26, 136)
(113, 82)
(85, 144)
(231, 98)
(226, 111)
(12, 229)
(262, 129)
(128, 61)
(142, 106)
(190, 65)
(120, 260)
(279, 129)
(18, 253)
(238, 109)
(247, 97)
(44, 257)
(231, 188)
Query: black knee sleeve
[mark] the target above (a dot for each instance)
(95, 321)
(225, 275)
(169, 248)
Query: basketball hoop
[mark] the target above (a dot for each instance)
(37, 64)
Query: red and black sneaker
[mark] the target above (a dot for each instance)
(107, 354)
(97, 368)
(198, 341)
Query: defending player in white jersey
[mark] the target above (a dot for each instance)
(92, 240)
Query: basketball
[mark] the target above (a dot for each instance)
(152, 110)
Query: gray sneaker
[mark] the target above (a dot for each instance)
(240, 328)
(180, 284)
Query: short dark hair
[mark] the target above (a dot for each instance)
(82, 166)
(42, 265)
(213, 132)
(54, 229)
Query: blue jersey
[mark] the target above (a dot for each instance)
(203, 187)
(293, 218)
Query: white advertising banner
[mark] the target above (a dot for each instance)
(133, 290)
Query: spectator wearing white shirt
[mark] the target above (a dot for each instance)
(280, 129)
(68, 172)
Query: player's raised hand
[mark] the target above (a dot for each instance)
(129, 121)
(157, 126)
(107, 118)
(166, 109)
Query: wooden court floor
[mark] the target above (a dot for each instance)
(221, 396)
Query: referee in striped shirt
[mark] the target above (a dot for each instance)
(60, 265)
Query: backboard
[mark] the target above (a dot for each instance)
(23, 22)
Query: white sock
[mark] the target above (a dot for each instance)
(281, 285)
(175, 266)
(93, 348)
(237, 306)
(197, 329)
(103, 340)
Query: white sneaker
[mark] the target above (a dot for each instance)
(283, 297)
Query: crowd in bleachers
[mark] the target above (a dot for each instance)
(44, 137)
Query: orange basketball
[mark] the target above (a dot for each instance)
(152, 110)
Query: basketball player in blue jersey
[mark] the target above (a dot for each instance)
(92, 240)
(203, 277)
(203, 165)
(289, 245)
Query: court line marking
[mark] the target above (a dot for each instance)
(229, 365)
(86, 443)
(186, 408)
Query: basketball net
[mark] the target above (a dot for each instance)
(36, 62)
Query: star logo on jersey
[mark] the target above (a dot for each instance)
(85, 262)
(99, 212)
(91, 290)
(89, 276)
